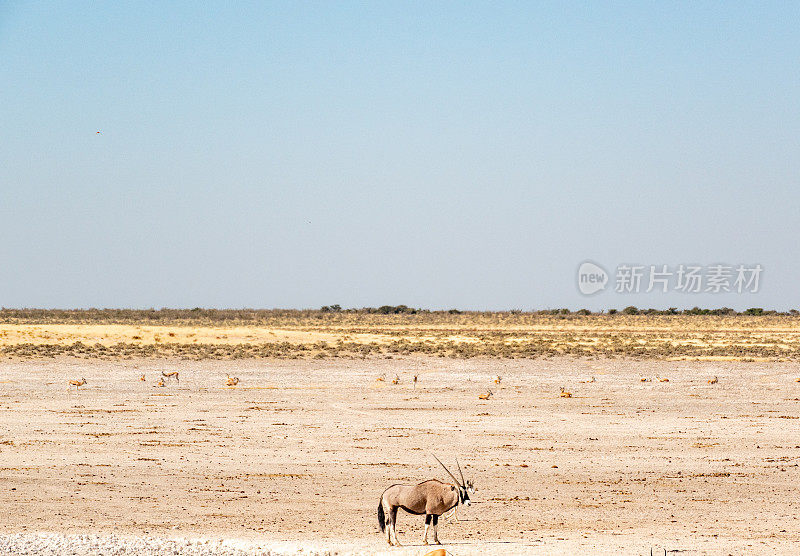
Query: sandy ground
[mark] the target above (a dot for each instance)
(297, 455)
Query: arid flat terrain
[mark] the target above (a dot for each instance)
(245, 334)
(297, 454)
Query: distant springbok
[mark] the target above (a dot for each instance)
(171, 374)
(415, 381)
(497, 379)
(141, 378)
(565, 394)
(396, 379)
(485, 396)
(161, 382)
(77, 383)
(663, 379)
(430, 498)
(381, 378)
(232, 381)
(713, 380)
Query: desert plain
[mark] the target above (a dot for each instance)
(648, 453)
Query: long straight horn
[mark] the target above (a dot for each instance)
(463, 482)
(446, 469)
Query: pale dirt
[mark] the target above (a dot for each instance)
(110, 334)
(298, 454)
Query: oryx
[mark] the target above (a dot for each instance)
(431, 498)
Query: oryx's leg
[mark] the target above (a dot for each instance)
(387, 512)
(436, 529)
(427, 524)
(393, 517)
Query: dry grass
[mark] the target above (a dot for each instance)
(313, 334)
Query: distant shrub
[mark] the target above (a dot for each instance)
(612, 311)
(630, 310)
(754, 311)
(696, 311)
(392, 310)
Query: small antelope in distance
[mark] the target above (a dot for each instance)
(430, 498)
(713, 380)
(415, 381)
(381, 378)
(141, 378)
(171, 374)
(232, 381)
(485, 396)
(161, 382)
(663, 379)
(565, 394)
(497, 379)
(396, 379)
(77, 383)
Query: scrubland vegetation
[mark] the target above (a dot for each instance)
(399, 330)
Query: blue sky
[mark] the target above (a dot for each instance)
(441, 155)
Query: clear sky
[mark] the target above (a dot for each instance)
(441, 155)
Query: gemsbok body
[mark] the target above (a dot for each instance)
(430, 498)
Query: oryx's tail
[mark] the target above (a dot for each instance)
(381, 516)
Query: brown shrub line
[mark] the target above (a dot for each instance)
(367, 318)
(532, 348)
